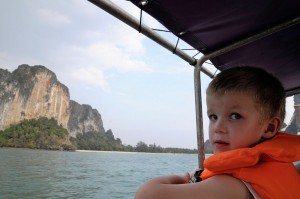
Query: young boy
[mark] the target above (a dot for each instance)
(246, 108)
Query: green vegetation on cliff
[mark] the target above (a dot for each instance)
(97, 141)
(42, 133)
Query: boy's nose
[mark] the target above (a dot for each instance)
(218, 130)
(220, 127)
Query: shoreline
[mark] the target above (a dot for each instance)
(96, 151)
(130, 152)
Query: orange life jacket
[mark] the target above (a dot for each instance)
(268, 166)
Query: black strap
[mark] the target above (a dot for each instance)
(196, 177)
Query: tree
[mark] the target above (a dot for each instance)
(141, 147)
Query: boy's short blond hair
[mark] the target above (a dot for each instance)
(267, 91)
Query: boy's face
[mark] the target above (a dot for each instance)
(234, 121)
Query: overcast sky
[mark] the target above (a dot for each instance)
(142, 91)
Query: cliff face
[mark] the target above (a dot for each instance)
(33, 92)
(297, 110)
(293, 127)
(84, 119)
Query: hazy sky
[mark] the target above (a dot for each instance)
(142, 91)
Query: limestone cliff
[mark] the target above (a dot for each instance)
(34, 92)
(297, 110)
(84, 118)
(293, 126)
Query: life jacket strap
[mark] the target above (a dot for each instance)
(196, 177)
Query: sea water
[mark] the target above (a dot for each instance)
(103, 175)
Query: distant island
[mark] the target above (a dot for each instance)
(36, 112)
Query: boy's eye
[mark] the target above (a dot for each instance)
(213, 117)
(235, 116)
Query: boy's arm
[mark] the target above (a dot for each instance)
(176, 187)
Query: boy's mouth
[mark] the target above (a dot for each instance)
(221, 142)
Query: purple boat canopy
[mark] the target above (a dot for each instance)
(267, 32)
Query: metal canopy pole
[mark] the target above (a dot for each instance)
(197, 77)
(199, 117)
(124, 16)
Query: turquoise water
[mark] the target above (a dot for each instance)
(57, 174)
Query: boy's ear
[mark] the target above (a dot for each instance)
(272, 127)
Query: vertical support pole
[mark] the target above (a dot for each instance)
(199, 116)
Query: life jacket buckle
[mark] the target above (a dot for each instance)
(196, 177)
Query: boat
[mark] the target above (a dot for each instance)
(256, 33)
